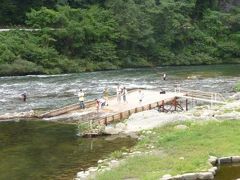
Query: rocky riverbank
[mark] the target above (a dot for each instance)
(151, 119)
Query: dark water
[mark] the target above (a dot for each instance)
(49, 92)
(228, 173)
(40, 150)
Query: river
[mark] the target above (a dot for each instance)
(48, 92)
(45, 150)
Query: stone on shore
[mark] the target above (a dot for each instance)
(181, 127)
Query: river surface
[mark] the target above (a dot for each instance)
(44, 150)
(48, 92)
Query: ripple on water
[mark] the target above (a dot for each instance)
(58, 90)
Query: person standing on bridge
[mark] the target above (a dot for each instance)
(105, 95)
(124, 94)
(81, 99)
(118, 91)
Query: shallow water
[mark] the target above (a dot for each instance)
(228, 172)
(41, 150)
(49, 92)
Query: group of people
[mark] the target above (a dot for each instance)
(103, 101)
(121, 93)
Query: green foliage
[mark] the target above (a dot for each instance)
(81, 35)
(45, 18)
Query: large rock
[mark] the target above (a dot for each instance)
(120, 126)
(111, 130)
(236, 96)
(229, 116)
(231, 106)
(166, 177)
(190, 176)
(151, 119)
(205, 175)
(213, 160)
(181, 127)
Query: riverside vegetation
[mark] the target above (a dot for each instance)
(79, 35)
(177, 151)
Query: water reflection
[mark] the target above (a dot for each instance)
(40, 150)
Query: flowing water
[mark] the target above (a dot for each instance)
(49, 92)
(43, 150)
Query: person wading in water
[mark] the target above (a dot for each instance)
(24, 97)
(164, 76)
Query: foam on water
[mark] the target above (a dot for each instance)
(50, 92)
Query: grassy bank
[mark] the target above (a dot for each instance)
(179, 151)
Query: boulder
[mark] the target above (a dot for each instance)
(100, 161)
(205, 175)
(190, 176)
(225, 160)
(235, 96)
(213, 170)
(92, 169)
(181, 127)
(120, 126)
(111, 130)
(167, 177)
(213, 160)
(235, 159)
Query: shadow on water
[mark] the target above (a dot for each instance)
(43, 150)
(228, 172)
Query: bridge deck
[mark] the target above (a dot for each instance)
(121, 110)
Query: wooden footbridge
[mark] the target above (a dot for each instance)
(116, 111)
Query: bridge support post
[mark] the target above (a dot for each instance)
(105, 121)
(175, 104)
(163, 106)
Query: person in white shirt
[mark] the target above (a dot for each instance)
(124, 94)
(102, 102)
(81, 99)
(164, 76)
(118, 92)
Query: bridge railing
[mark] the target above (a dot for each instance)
(211, 96)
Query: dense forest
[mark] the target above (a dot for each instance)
(86, 35)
